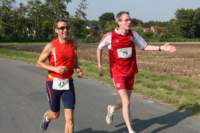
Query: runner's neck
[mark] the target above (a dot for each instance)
(62, 41)
(121, 31)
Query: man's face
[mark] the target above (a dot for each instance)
(125, 22)
(62, 30)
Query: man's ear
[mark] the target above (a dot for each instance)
(116, 23)
(56, 30)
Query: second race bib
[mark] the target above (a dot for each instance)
(124, 52)
(60, 84)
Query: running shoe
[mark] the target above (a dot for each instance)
(110, 114)
(44, 123)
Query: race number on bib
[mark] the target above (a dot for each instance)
(124, 52)
(60, 84)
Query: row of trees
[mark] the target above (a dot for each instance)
(185, 26)
(34, 22)
(188, 21)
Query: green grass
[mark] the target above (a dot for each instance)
(179, 91)
(22, 43)
(19, 55)
(90, 70)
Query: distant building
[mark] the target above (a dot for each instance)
(147, 30)
(155, 29)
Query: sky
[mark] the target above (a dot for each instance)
(145, 10)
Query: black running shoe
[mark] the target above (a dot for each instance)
(44, 123)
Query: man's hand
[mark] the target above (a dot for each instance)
(100, 70)
(79, 72)
(168, 47)
(60, 69)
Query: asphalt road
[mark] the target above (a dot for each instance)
(23, 102)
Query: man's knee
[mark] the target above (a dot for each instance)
(55, 115)
(124, 98)
(69, 118)
(69, 122)
(125, 102)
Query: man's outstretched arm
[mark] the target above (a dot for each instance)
(166, 47)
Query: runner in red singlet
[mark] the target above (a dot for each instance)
(62, 56)
(123, 65)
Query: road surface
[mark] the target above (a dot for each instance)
(23, 102)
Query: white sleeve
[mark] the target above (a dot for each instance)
(139, 41)
(105, 41)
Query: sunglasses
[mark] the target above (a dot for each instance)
(126, 20)
(63, 27)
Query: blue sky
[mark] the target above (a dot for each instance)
(146, 10)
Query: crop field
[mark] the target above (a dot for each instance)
(184, 62)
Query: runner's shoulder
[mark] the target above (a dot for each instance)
(135, 33)
(48, 47)
(107, 34)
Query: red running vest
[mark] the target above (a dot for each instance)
(122, 55)
(64, 55)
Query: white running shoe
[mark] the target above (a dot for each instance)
(132, 132)
(109, 115)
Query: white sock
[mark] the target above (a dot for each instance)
(46, 118)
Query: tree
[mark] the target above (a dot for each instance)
(196, 23)
(77, 28)
(80, 11)
(58, 8)
(173, 28)
(136, 22)
(6, 3)
(109, 26)
(6, 19)
(20, 22)
(67, 2)
(104, 19)
(147, 35)
(138, 29)
(41, 15)
(155, 23)
(31, 21)
(35, 16)
(108, 16)
(185, 22)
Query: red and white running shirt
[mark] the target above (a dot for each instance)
(122, 54)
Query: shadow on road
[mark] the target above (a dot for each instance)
(165, 121)
(90, 130)
(194, 108)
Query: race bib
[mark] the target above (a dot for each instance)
(60, 84)
(124, 52)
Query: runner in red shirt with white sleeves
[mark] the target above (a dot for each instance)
(123, 65)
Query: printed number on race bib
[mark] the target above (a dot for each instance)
(60, 84)
(124, 52)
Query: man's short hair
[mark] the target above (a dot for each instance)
(118, 16)
(58, 20)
